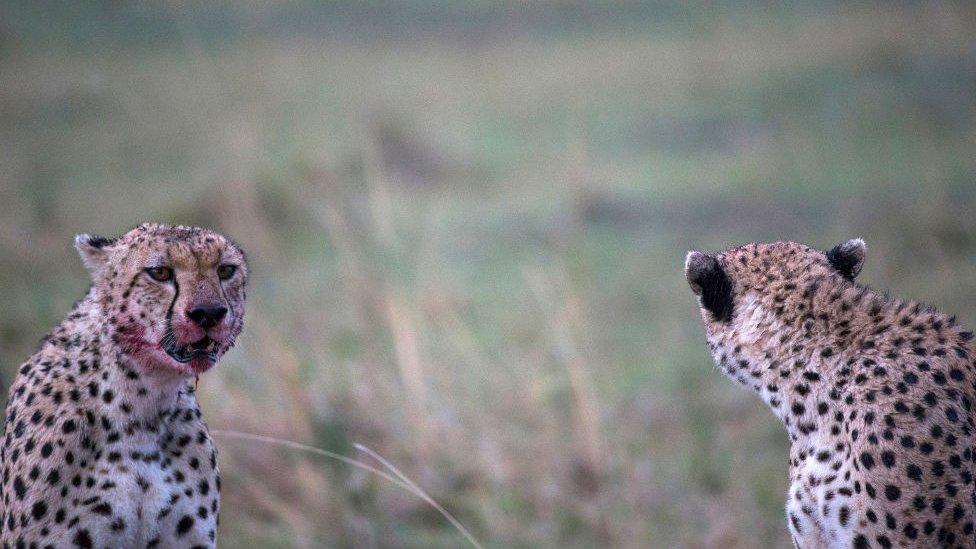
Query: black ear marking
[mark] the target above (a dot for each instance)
(98, 242)
(93, 250)
(848, 258)
(710, 283)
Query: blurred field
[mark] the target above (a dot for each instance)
(467, 222)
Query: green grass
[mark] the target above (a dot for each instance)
(496, 202)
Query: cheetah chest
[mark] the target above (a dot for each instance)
(157, 491)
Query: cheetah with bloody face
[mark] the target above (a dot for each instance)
(876, 393)
(103, 444)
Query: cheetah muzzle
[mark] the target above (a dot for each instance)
(104, 443)
(876, 394)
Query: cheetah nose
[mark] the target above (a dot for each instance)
(207, 316)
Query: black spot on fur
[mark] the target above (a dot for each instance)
(82, 539)
(39, 510)
(184, 525)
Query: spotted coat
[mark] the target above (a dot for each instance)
(104, 444)
(876, 393)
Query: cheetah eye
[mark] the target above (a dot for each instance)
(160, 274)
(226, 271)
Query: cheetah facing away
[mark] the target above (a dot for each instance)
(876, 393)
(103, 444)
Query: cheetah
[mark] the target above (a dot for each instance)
(875, 393)
(104, 444)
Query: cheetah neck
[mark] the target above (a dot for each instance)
(812, 360)
(761, 354)
(141, 398)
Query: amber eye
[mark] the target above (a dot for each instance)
(226, 271)
(160, 274)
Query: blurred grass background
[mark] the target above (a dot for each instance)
(467, 221)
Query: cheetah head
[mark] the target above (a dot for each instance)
(748, 293)
(172, 296)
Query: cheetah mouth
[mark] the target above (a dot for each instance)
(204, 347)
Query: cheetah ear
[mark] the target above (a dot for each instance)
(848, 258)
(93, 250)
(709, 282)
